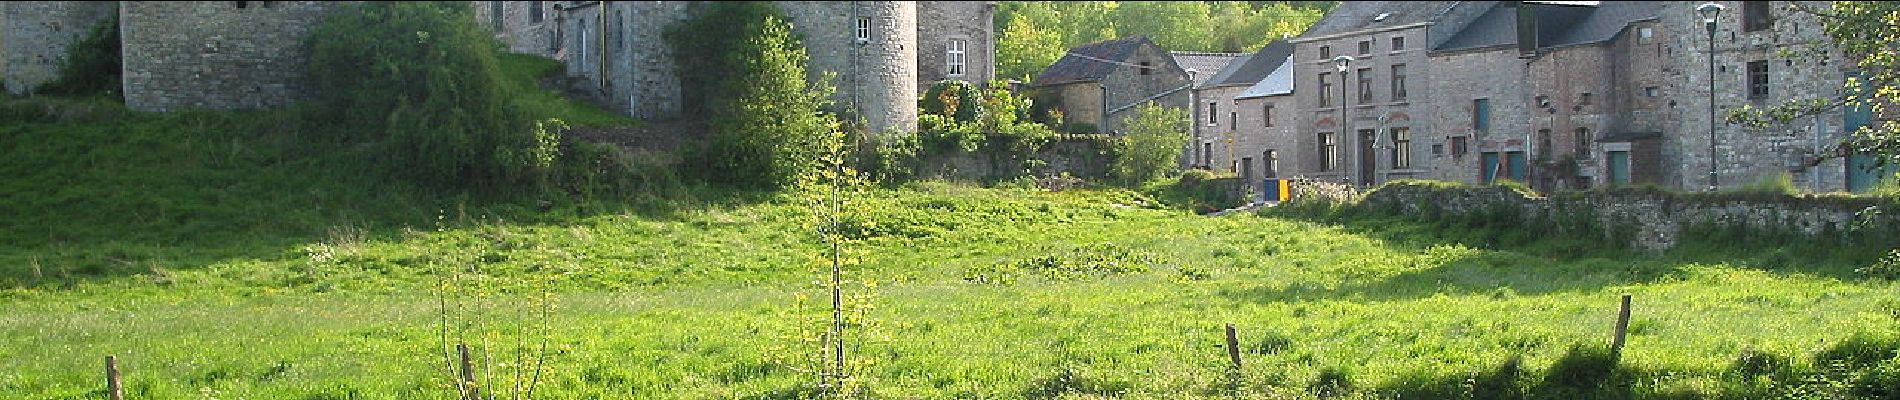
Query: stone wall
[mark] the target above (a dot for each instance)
(1646, 219)
(516, 24)
(1127, 86)
(1381, 113)
(35, 37)
(1220, 135)
(1256, 138)
(939, 22)
(215, 54)
(1080, 158)
(878, 78)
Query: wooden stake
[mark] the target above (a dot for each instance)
(1622, 325)
(114, 390)
(1233, 346)
(468, 388)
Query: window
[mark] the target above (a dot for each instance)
(1398, 43)
(1651, 91)
(1207, 154)
(534, 12)
(1398, 82)
(1543, 144)
(1365, 85)
(1328, 152)
(243, 4)
(1757, 80)
(1401, 148)
(1584, 99)
(863, 31)
(1755, 16)
(953, 54)
(620, 29)
(1325, 52)
(1459, 146)
(1365, 47)
(1146, 68)
(1266, 114)
(1325, 89)
(1233, 120)
(495, 13)
(1543, 101)
(1481, 115)
(1213, 113)
(1583, 143)
(1644, 34)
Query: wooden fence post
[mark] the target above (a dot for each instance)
(114, 390)
(1622, 325)
(467, 385)
(1233, 346)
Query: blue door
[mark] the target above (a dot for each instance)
(1619, 167)
(1519, 166)
(1489, 161)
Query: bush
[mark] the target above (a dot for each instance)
(91, 66)
(767, 129)
(959, 100)
(419, 83)
(1153, 142)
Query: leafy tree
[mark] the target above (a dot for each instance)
(420, 84)
(1034, 34)
(1174, 25)
(1154, 138)
(767, 128)
(1025, 48)
(1867, 33)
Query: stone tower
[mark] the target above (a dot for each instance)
(35, 37)
(871, 47)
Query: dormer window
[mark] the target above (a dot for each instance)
(1381, 17)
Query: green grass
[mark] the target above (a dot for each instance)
(217, 257)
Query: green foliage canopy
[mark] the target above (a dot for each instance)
(1154, 138)
(767, 128)
(1033, 34)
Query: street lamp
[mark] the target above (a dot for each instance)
(1709, 12)
(1344, 63)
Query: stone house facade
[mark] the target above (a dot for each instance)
(526, 27)
(1566, 96)
(1212, 108)
(35, 36)
(1099, 84)
(1226, 134)
(1266, 140)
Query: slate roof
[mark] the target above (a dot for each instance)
(1251, 68)
(1279, 82)
(1352, 16)
(1071, 68)
(1558, 24)
(1206, 65)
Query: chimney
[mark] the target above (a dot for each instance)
(1526, 28)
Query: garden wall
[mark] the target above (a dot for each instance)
(1081, 158)
(1649, 219)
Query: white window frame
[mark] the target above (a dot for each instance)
(863, 33)
(954, 51)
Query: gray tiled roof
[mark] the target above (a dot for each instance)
(1279, 82)
(1071, 68)
(1251, 68)
(1206, 65)
(1352, 16)
(1558, 25)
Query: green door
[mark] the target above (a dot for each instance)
(1519, 166)
(1619, 167)
(1489, 162)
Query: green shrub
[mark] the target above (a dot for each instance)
(419, 83)
(1151, 145)
(959, 100)
(1780, 184)
(767, 128)
(91, 66)
(1887, 267)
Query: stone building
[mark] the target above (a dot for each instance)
(1098, 85)
(883, 53)
(35, 37)
(222, 54)
(526, 27)
(1218, 142)
(1368, 123)
(1265, 140)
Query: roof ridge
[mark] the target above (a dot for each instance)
(1206, 53)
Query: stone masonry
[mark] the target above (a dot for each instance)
(220, 55)
(35, 37)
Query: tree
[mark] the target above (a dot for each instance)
(767, 128)
(1174, 25)
(1024, 49)
(1868, 35)
(1154, 139)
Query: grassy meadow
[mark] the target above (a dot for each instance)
(218, 258)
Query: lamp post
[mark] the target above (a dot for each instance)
(1709, 12)
(1343, 63)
